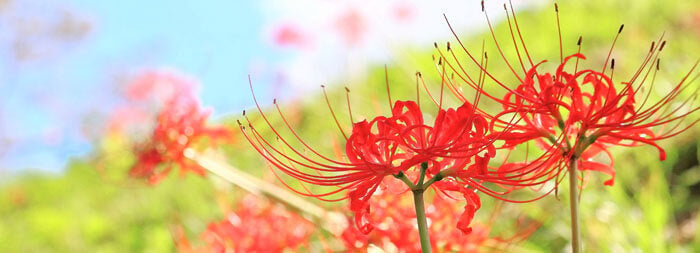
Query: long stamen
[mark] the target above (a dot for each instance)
(330, 108)
(607, 59)
(471, 57)
(612, 68)
(418, 76)
(512, 36)
(442, 83)
(651, 87)
(517, 28)
(388, 92)
(578, 44)
(495, 42)
(427, 91)
(561, 49)
(347, 99)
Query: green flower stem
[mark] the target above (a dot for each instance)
(418, 189)
(422, 222)
(432, 180)
(423, 169)
(405, 179)
(573, 199)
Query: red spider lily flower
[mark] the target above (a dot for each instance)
(180, 124)
(404, 141)
(575, 114)
(594, 114)
(456, 147)
(256, 226)
(396, 230)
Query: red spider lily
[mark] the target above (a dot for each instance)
(396, 230)
(576, 114)
(457, 147)
(180, 124)
(592, 114)
(256, 226)
(404, 141)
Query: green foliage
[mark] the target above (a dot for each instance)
(81, 211)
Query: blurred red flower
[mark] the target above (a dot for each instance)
(395, 229)
(255, 226)
(180, 125)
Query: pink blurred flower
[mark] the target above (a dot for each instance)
(352, 27)
(290, 35)
(159, 85)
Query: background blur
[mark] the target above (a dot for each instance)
(71, 110)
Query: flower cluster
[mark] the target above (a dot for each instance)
(453, 152)
(575, 114)
(180, 124)
(404, 142)
(583, 113)
(255, 226)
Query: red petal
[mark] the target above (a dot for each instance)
(596, 166)
(473, 204)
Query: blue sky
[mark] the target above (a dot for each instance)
(49, 100)
(214, 42)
